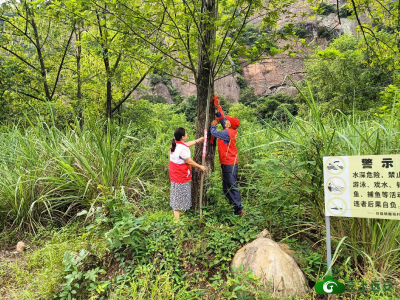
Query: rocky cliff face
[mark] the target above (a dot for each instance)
(269, 76)
(225, 86)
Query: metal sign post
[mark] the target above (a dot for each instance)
(328, 245)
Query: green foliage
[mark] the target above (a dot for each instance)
(153, 99)
(176, 96)
(253, 34)
(147, 283)
(224, 103)
(299, 31)
(115, 177)
(188, 108)
(345, 11)
(67, 54)
(390, 98)
(54, 170)
(38, 273)
(325, 8)
(242, 284)
(133, 238)
(157, 78)
(247, 96)
(382, 37)
(244, 113)
(80, 282)
(325, 33)
(241, 81)
(342, 77)
(275, 106)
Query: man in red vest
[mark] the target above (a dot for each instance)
(228, 157)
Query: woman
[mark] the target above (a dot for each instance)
(180, 173)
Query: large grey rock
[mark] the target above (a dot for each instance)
(278, 271)
(162, 90)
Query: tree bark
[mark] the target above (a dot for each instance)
(206, 42)
(40, 56)
(78, 106)
(106, 60)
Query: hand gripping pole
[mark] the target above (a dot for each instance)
(220, 118)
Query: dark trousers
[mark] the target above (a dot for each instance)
(230, 187)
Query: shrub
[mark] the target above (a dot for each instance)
(154, 98)
(241, 81)
(301, 32)
(342, 78)
(345, 11)
(243, 113)
(324, 32)
(189, 108)
(38, 273)
(292, 30)
(247, 96)
(271, 106)
(325, 8)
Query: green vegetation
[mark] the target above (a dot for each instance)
(325, 8)
(345, 11)
(124, 208)
(84, 160)
(272, 107)
(353, 82)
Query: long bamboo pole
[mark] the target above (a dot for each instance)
(203, 159)
(207, 122)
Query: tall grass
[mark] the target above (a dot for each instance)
(46, 173)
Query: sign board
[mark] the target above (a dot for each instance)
(362, 186)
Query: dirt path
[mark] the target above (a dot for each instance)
(8, 256)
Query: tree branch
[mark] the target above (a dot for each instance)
(234, 41)
(181, 38)
(20, 58)
(117, 62)
(131, 91)
(29, 95)
(62, 61)
(226, 32)
(48, 31)
(361, 27)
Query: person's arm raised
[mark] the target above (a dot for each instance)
(191, 143)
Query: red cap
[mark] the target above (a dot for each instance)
(234, 122)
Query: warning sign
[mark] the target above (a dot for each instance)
(362, 186)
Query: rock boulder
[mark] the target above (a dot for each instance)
(278, 271)
(20, 246)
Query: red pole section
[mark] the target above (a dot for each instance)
(205, 143)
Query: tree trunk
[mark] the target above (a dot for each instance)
(106, 60)
(109, 98)
(203, 80)
(78, 106)
(40, 56)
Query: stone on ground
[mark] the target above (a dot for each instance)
(278, 271)
(20, 246)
